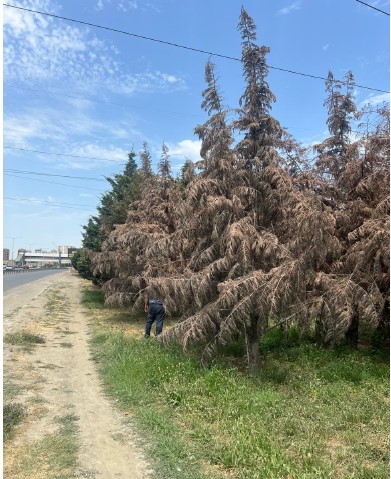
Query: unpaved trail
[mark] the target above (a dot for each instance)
(59, 378)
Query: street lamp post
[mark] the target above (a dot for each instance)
(13, 240)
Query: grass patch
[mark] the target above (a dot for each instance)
(92, 298)
(11, 390)
(66, 345)
(68, 424)
(53, 457)
(13, 414)
(307, 413)
(23, 338)
(57, 302)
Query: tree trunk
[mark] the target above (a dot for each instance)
(252, 343)
(384, 325)
(381, 335)
(351, 335)
(319, 332)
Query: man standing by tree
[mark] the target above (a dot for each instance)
(154, 307)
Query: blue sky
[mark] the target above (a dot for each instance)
(92, 94)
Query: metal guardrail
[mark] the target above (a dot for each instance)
(16, 271)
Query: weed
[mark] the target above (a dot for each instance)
(257, 426)
(13, 414)
(11, 390)
(309, 412)
(68, 424)
(37, 400)
(92, 298)
(23, 338)
(53, 457)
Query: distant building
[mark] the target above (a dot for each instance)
(66, 249)
(6, 254)
(71, 251)
(43, 259)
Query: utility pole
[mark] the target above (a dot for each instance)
(13, 240)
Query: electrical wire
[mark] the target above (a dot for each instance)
(51, 182)
(177, 45)
(122, 105)
(62, 154)
(66, 155)
(371, 6)
(51, 174)
(51, 203)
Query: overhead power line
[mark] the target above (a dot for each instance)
(177, 45)
(54, 93)
(50, 174)
(371, 6)
(63, 154)
(66, 155)
(51, 203)
(51, 182)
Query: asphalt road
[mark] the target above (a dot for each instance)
(13, 280)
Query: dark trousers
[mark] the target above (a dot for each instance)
(156, 313)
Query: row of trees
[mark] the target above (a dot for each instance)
(257, 234)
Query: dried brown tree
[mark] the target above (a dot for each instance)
(123, 256)
(354, 181)
(246, 256)
(256, 239)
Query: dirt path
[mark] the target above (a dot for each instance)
(57, 382)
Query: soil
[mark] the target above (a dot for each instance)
(59, 378)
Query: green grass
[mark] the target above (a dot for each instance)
(11, 390)
(13, 414)
(23, 338)
(55, 455)
(92, 298)
(308, 412)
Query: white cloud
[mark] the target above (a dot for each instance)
(186, 149)
(373, 99)
(152, 81)
(169, 78)
(35, 46)
(76, 128)
(20, 128)
(41, 49)
(326, 47)
(122, 5)
(24, 22)
(110, 154)
(29, 132)
(179, 152)
(290, 8)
